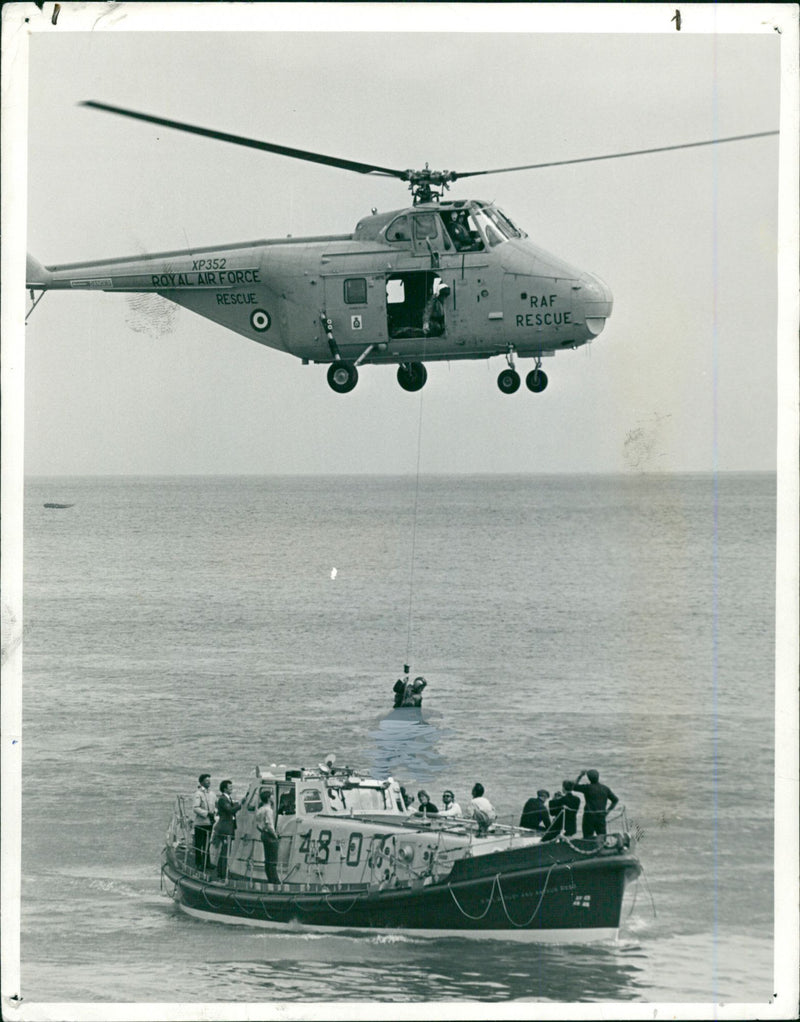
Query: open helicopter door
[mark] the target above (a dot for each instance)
(407, 294)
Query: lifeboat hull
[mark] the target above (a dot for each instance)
(562, 894)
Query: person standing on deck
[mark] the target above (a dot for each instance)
(203, 811)
(564, 806)
(597, 797)
(265, 822)
(225, 827)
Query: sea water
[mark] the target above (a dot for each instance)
(182, 625)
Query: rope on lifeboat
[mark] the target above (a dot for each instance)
(340, 912)
(579, 851)
(466, 914)
(647, 888)
(170, 894)
(522, 926)
(205, 895)
(238, 904)
(496, 885)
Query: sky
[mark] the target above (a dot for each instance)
(684, 376)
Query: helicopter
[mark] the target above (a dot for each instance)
(439, 280)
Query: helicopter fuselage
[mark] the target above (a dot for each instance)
(362, 298)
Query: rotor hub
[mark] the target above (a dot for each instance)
(423, 182)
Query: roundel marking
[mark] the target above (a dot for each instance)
(260, 320)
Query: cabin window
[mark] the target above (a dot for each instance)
(399, 230)
(355, 291)
(286, 802)
(312, 801)
(425, 226)
(364, 799)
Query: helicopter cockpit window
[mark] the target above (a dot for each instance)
(493, 232)
(495, 225)
(502, 222)
(355, 291)
(399, 230)
(425, 226)
(460, 227)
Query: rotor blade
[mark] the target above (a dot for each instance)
(614, 156)
(269, 147)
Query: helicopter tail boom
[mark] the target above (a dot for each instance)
(221, 269)
(37, 277)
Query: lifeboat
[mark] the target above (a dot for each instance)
(352, 856)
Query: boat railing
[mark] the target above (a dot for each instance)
(180, 833)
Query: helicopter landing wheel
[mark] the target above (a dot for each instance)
(412, 375)
(536, 380)
(342, 377)
(508, 381)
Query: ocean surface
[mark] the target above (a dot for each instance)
(180, 625)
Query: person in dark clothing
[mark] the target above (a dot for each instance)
(534, 813)
(424, 804)
(459, 231)
(399, 690)
(224, 829)
(597, 797)
(564, 806)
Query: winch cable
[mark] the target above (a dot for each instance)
(414, 536)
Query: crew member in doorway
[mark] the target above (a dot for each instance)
(433, 316)
(597, 797)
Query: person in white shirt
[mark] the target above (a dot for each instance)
(203, 812)
(481, 809)
(451, 807)
(265, 824)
